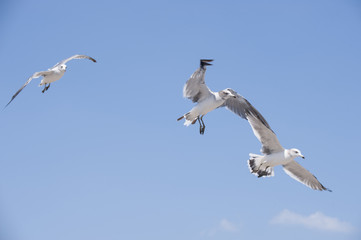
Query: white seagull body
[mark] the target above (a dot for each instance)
(213, 101)
(275, 154)
(51, 75)
(196, 90)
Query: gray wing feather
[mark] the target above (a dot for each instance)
(195, 88)
(77, 56)
(260, 126)
(299, 173)
(35, 75)
(243, 108)
(265, 135)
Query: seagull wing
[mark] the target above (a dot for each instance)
(35, 75)
(264, 133)
(242, 107)
(77, 56)
(195, 88)
(299, 173)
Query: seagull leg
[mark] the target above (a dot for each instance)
(200, 125)
(259, 167)
(44, 88)
(204, 126)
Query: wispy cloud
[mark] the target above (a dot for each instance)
(316, 220)
(223, 226)
(227, 226)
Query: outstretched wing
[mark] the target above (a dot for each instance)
(264, 133)
(299, 173)
(35, 75)
(242, 107)
(77, 56)
(195, 88)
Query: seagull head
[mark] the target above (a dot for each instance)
(62, 67)
(226, 94)
(294, 152)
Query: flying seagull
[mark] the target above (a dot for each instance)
(275, 154)
(51, 75)
(196, 90)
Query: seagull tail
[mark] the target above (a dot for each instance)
(257, 168)
(180, 118)
(189, 119)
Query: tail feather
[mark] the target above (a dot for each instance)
(257, 168)
(189, 118)
(180, 118)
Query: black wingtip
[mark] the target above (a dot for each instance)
(8, 104)
(206, 62)
(325, 188)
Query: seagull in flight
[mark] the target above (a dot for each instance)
(275, 154)
(196, 90)
(51, 75)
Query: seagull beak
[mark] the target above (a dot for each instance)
(302, 156)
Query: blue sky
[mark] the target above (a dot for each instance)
(101, 155)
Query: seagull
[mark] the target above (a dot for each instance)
(51, 75)
(275, 154)
(196, 90)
